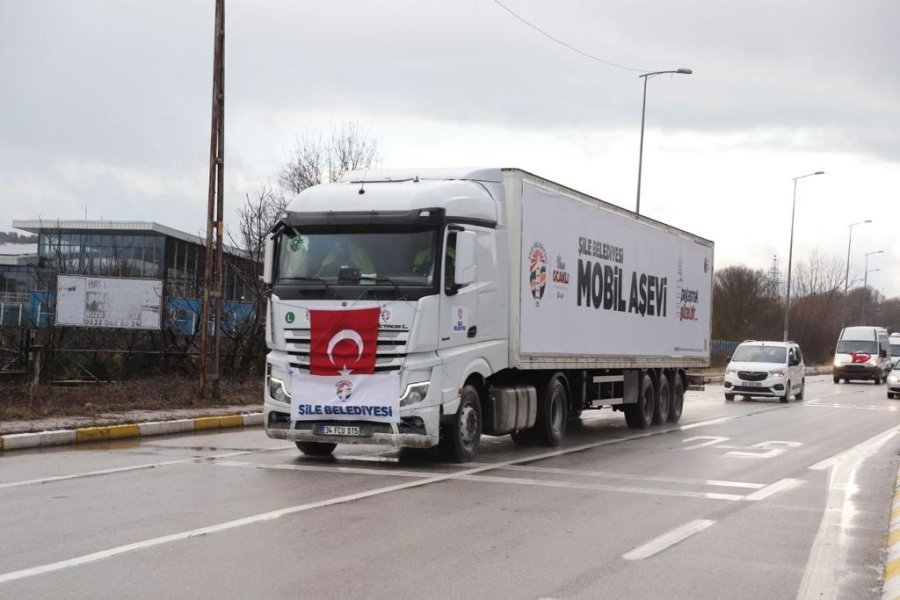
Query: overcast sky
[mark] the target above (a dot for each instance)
(105, 107)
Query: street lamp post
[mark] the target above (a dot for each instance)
(647, 76)
(847, 276)
(787, 300)
(862, 315)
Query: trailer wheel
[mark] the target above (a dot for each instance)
(460, 438)
(552, 409)
(676, 406)
(316, 448)
(640, 415)
(664, 401)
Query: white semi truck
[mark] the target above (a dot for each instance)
(431, 307)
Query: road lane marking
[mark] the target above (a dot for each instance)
(513, 480)
(826, 566)
(823, 404)
(668, 540)
(770, 490)
(275, 514)
(611, 475)
(140, 467)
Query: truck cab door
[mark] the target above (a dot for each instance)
(459, 299)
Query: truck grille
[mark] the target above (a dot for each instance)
(752, 375)
(389, 355)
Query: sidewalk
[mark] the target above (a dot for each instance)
(40, 433)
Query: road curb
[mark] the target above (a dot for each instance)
(42, 439)
(891, 589)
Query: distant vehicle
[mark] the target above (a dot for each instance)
(772, 369)
(862, 352)
(893, 382)
(895, 349)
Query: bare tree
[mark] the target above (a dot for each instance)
(742, 305)
(319, 158)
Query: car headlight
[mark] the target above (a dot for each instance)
(872, 362)
(415, 393)
(730, 371)
(836, 363)
(893, 378)
(777, 372)
(277, 390)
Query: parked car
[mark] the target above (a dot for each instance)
(772, 369)
(893, 382)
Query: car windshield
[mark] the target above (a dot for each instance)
(895, 349)
(850, 346)
(763, 354)
(326, 262)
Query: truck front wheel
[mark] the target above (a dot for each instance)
(460, 438)
(640, 415)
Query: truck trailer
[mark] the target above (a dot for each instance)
(430, 307)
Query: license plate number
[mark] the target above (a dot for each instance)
(753, 384)
(340, 430)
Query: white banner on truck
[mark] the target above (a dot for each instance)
(108, 302)
(598, 282)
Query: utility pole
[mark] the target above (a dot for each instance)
(213, 274)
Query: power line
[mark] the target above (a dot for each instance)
(562, 43)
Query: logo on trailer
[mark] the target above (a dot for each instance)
(537, 271)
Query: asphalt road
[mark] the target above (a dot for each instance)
(745, 499)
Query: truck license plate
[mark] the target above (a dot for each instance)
(340, 430)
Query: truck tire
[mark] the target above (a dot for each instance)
(316, 448)
(663, 401)
(676, 406)
(552, 409)
(640, 414)
(461, 436)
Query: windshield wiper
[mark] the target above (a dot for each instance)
(387, 280)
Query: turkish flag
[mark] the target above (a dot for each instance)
(343, 339)
(860, 357)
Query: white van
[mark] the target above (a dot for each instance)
(895, 349)
(862, 353)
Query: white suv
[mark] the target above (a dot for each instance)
(773, 369)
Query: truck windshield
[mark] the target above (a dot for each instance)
(400, 259)
(763, 354)
(848, 346)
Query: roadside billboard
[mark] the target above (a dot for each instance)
(108, 302)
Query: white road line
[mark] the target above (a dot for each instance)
(499, 479)
(611, 475)
(826, 565)
(275, 514)
(599, 487)
(770, 490)
(816, 404)
(668, 539)
(140, 467)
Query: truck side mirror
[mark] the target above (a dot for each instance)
(269, 260)
(464, 267)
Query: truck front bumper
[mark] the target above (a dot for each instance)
(856, 371)
(419, 428)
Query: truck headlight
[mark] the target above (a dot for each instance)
(836, 363)
(777, 373)
(415, 393)
(277, 390)
(872, 362)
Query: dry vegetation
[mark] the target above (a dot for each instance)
(22, 401)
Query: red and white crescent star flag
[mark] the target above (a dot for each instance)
(342, 383)
(343, 340)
